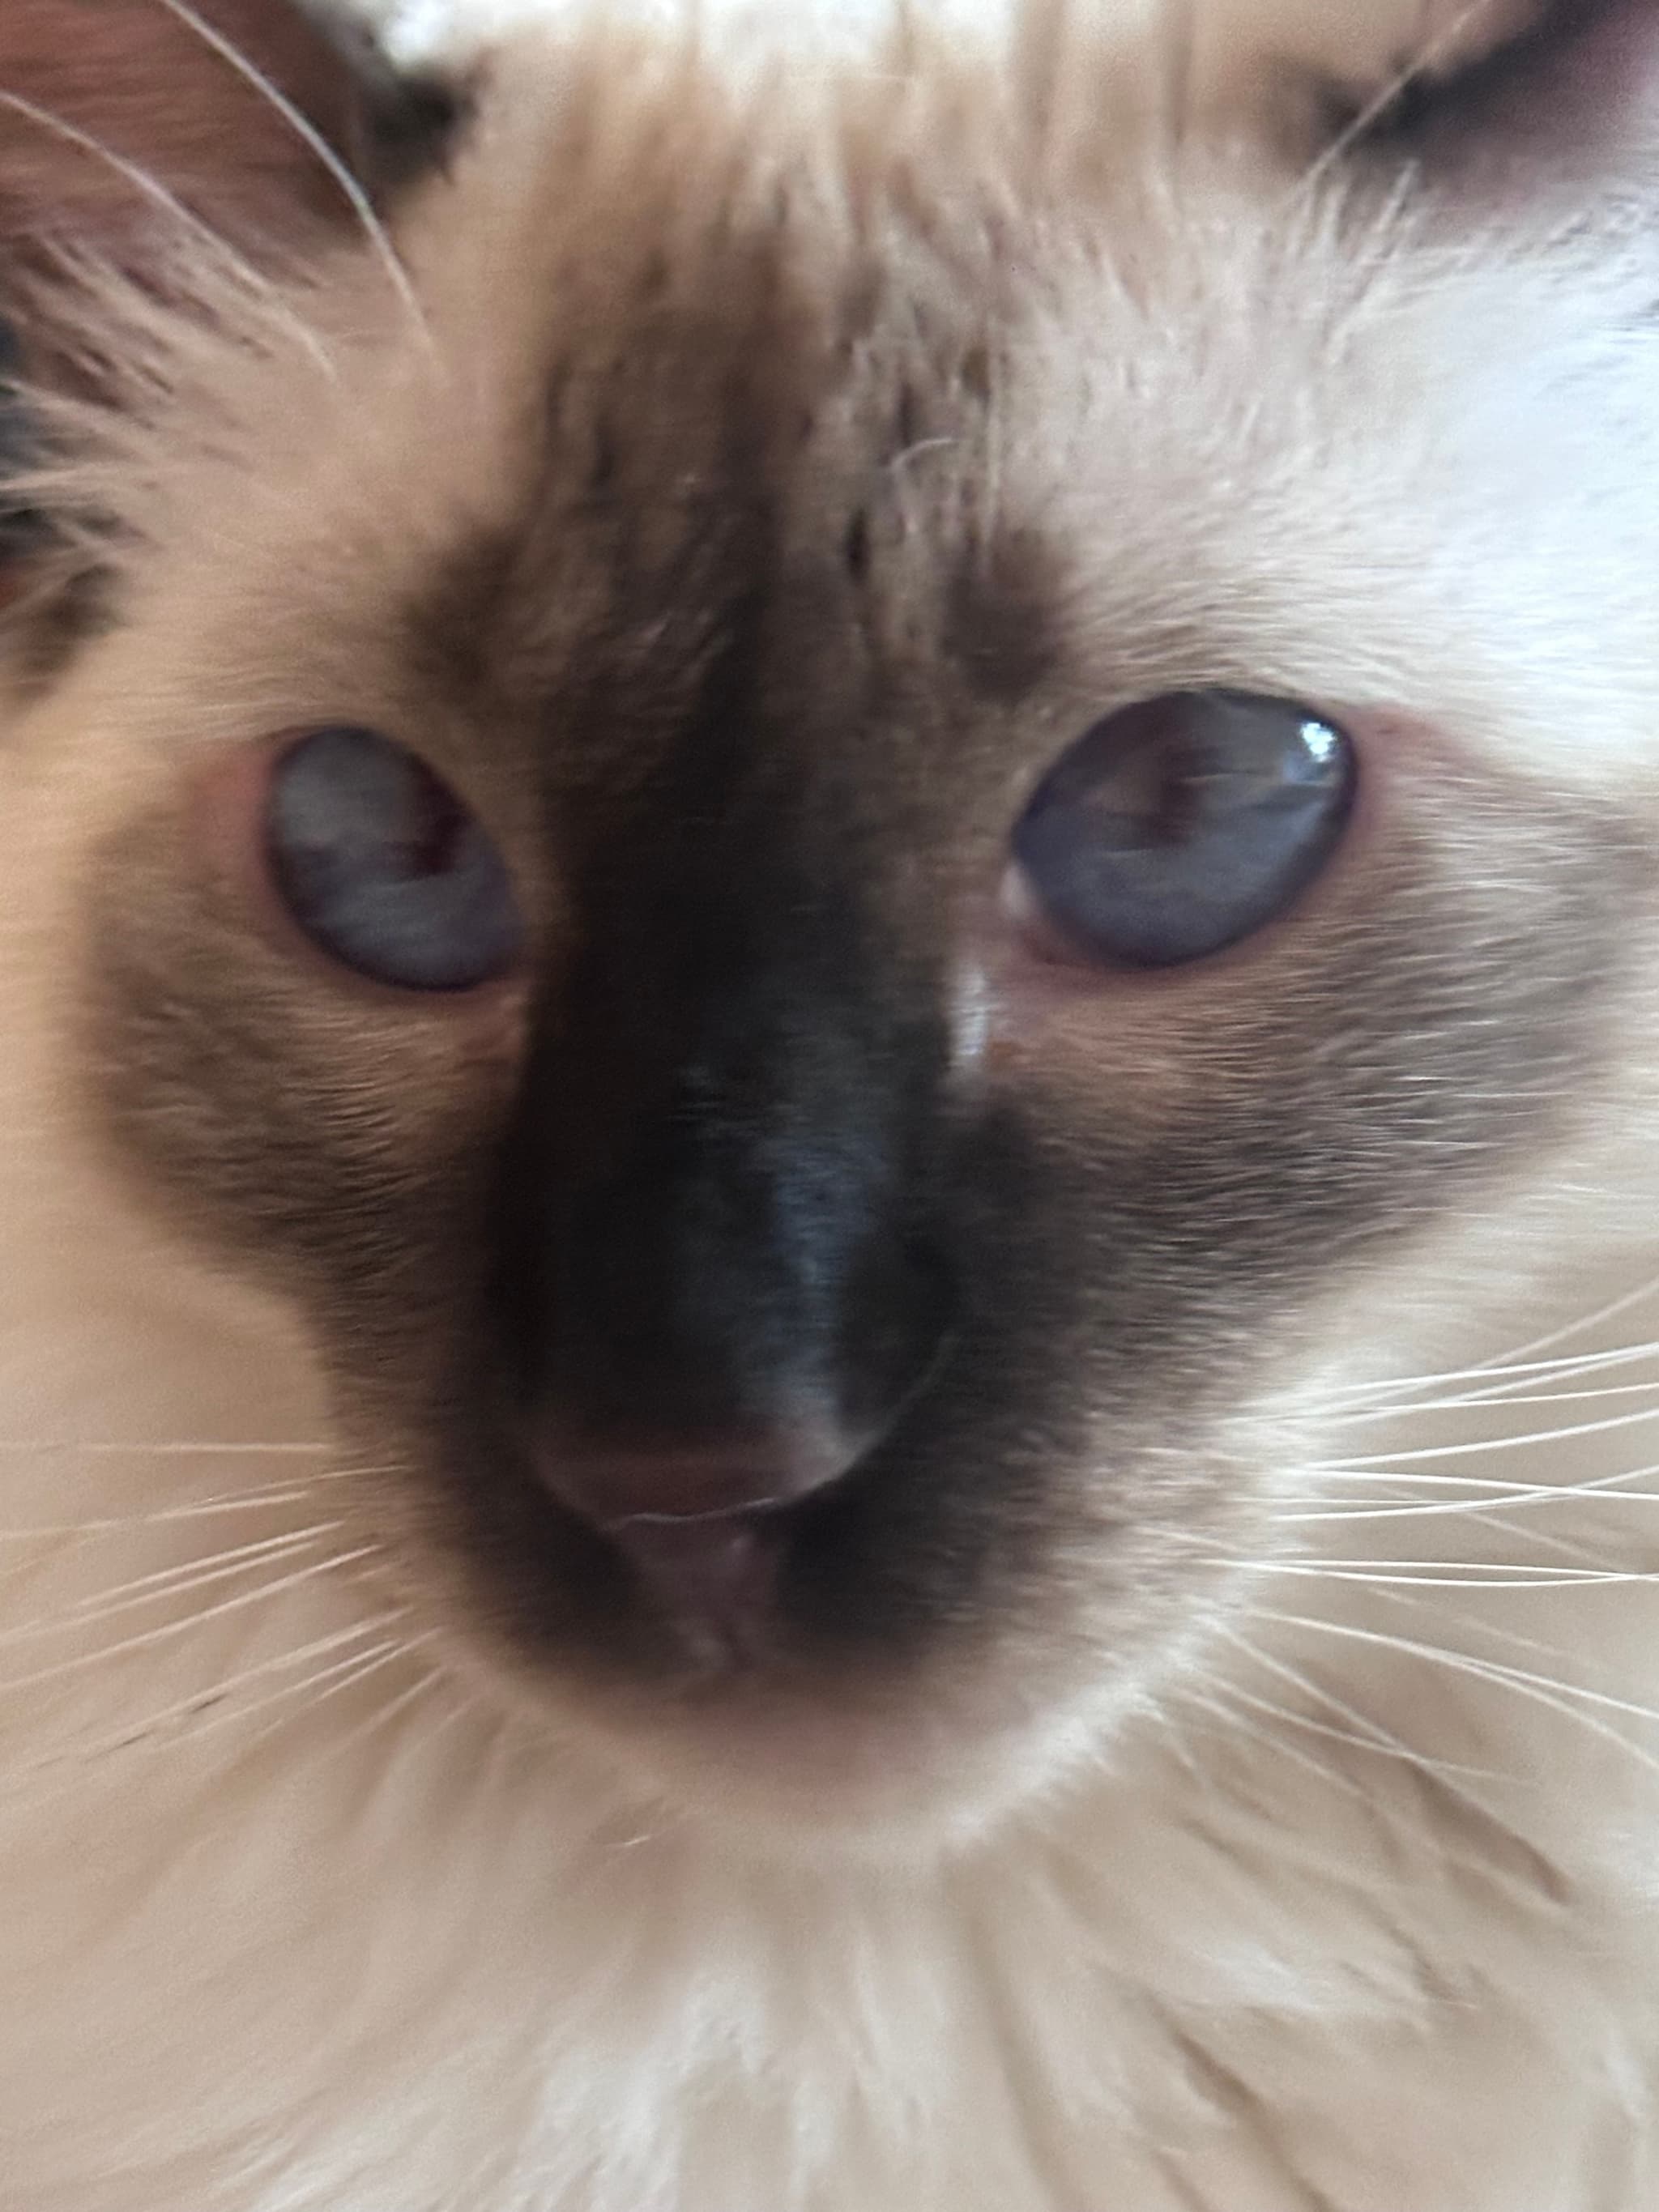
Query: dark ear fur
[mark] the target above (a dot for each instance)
(1568, 101)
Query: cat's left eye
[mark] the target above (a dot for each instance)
(1181, 826)
(384, 867)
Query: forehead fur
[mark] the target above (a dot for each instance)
(1232, 410)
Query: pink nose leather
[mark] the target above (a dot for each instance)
(713, 1575)
(700, 1524)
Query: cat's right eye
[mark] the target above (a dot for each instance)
(385, 868)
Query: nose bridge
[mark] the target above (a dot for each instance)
(728, 1123)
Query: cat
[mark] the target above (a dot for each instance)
(830, 877)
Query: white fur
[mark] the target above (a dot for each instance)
(1356, 41)
(1342, 1928)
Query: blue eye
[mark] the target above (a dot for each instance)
(1180, 825)
(382, 866)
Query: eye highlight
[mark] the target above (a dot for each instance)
(385, 868)
(1180, 825)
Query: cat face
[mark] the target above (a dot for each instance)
(835, 837)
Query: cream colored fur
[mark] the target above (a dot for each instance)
(1355, 1916)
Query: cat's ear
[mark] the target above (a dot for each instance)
(245, 113)
(1562, 104)
(152, 140)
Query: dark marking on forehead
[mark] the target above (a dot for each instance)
(776, 394)
(1001, 614)
(646, 519)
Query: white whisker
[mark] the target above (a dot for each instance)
(1489, 1630)
(1455, 1575)
(291, 1490)
(229, 262)
(140, 179)
(1520, 1360)
(224, 1690)
(1377, 1741)
(169, 1631)
(354, 1737)
(170, 1582)
(1606, 1488)
(1419, 1453)
(190, 1448)
(1372, 1733)
(1649, 1388)
(342, 1674)
(1500, 1487)
(217, 1703)
(1454, 1776)
(1222, 1705)
(1540, 1539)
(250, 1501)
(1546, 1688)
(1582, 1323)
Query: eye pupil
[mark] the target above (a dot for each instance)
(1175, 799)
(435, 840)
(384, 867)
(1182, 824)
